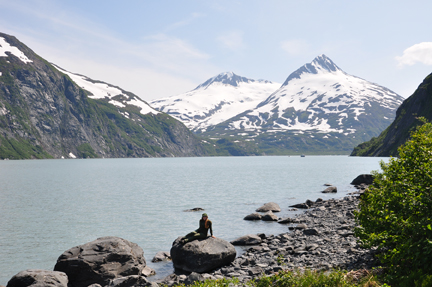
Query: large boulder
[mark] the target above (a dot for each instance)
(202, 255)
(270, 206)
(363, 179)
(37, 277)
(250, 239)
(101, 261)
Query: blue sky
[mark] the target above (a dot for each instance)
(161, 48)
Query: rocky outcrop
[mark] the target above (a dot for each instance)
(270, 206)
(202, 255)
(101, 261)
(38, 278)
(419, 104)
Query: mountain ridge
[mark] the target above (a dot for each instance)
(419, 104)
(45, 114)
(316, 102)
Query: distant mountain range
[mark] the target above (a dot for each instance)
(398, 132)
(216, 100)
(318, 109)
(47, 112)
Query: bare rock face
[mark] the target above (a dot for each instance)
(36, 277)
(101, 261)
(270, 206)
(202, 255)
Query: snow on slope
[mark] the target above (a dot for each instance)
(101, 90)
(216, 100)
(6, 47)
(320, 88)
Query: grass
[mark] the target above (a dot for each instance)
(307, 278)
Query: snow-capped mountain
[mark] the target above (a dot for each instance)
(216, 100)
(321, 98)
(114, 95)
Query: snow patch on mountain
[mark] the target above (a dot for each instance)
(216, 100)
(101, 90)
(320, 89)
(6, 47)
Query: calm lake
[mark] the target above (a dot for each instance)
(49, 206)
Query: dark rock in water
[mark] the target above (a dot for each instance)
(202, 255)
(309, 203)
(161, 256)
(330, 189)
(286, 220)
(262, 235)
(194, 209)
(250, 239)
(328, 184)
(319, 200)
(300, 205)
(253, 216)
(363, 179)
(101, 261)
(37, 277)
(147, 272)
(270, 206)
(269, 216)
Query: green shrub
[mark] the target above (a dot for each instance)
(395, 213)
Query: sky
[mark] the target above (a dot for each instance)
(157, 49)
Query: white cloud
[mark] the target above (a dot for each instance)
(418, 53)
(295, 47)
(232, 40)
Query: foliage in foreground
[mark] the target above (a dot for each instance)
(299, 279)
(395, 214)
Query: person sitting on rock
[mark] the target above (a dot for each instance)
(201, 233)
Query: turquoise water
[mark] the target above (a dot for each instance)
(49, 206)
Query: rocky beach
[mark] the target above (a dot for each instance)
(320, 238)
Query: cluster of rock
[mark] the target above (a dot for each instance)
(268, 210)
(321, 238)
(106, 261)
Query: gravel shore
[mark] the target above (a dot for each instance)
(321, 238)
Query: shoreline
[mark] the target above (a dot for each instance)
(320, 238)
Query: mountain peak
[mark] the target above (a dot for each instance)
(321, 64)
(226, 78)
